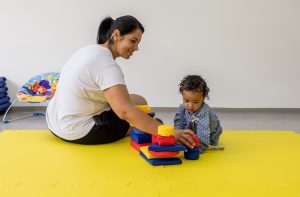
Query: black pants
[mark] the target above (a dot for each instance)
(108, 128)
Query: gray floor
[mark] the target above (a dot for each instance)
(231, 119)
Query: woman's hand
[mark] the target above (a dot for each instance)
(184, 137)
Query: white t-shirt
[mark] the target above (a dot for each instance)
(79, 95)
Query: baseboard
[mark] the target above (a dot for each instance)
(28, 108)
(173, 109)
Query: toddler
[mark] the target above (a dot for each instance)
(195, 114)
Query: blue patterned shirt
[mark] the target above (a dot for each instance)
(208, 126)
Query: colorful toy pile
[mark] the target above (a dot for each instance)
(4, 98)
(161, 149)
(39, 88)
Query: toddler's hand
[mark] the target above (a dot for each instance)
(184, 137)
(196, 140)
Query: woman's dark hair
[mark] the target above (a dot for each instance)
(194, 83)
(125, 24)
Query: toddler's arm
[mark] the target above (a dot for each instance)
(203, 130)
(179, 119)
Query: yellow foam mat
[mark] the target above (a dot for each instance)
(254, 163)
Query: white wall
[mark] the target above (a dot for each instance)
(248, 50)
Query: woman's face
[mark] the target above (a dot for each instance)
(128, 44)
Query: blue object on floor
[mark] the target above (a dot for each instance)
(162, 161)
(158, 148)
(38, 114)
(192, 154)
(141, 138)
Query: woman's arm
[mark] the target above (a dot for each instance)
(119, 100)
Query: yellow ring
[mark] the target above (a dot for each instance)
(165, 130)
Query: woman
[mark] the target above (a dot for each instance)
(92, 104)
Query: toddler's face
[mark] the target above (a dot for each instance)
(192, 101)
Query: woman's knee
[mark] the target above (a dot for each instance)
(138, 99)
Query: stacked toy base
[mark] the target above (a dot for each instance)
(161, 149)
(152, 152)
(4, 98)
(162, 155)
(157, 150)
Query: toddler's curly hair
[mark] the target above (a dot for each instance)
(194, 83)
